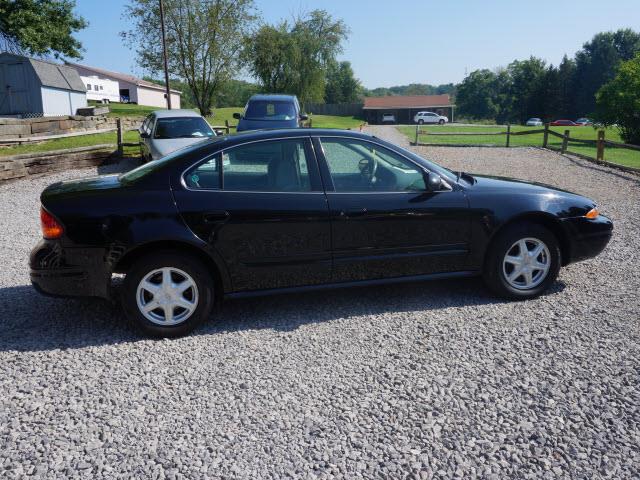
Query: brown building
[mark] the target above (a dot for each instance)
(404, 108)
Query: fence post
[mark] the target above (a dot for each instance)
(226, 127)
(565, 141)
(417, 132)
(311, 123)
(119, 137)
(545, 138)
(508, 134)
(600, 154)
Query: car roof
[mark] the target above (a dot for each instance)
(175, 113)
(272, 96)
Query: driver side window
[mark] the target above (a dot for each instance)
(359, 166)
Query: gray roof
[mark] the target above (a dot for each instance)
(51, 74)
(175, 113)
(58, 76)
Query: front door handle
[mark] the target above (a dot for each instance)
(353, 212)
(216, 216)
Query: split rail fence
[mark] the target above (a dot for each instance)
(601, 143)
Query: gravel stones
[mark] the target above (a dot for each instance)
(430, 380)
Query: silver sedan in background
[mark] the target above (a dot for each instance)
(165, 131)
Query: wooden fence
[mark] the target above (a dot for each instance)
(600, 143)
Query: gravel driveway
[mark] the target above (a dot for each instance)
(431, 380)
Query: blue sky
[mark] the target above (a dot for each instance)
(395, 42)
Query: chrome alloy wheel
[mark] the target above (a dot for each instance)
(167, 296)
(526, 263)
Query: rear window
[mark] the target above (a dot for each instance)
(151, 167)
(270, 110)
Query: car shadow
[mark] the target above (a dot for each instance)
(33, 322)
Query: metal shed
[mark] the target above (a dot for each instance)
(32, 88)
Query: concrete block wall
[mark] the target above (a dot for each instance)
(11, 128)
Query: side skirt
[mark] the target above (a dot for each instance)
(360, 283)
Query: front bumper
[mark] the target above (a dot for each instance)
(72, 272)
(587, 238)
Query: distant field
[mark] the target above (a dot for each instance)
(620, 156)
(221, 114)
(131, 110)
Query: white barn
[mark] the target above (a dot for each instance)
(31, 87)
(101, 89)
(133, 89)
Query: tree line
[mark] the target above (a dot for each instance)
(532, 88)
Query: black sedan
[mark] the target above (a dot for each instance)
(271, 211)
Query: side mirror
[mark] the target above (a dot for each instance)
(433, 181)
(144, 135)
(237, 116)
(304, 117)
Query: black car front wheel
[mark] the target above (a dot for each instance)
(523, 261)
(167, 294)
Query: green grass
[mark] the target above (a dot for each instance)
(629, 158)
(221, 114)
(132, 110)
(74, 142)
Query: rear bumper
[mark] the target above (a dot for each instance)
(587, 238)
(75, 272)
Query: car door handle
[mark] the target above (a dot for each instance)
(216, 216)
(353, 212)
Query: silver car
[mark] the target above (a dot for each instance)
(534, 122)
(165, 131)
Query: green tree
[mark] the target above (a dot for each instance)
(618, 101)
(40, 27)
(341, 84)
(596, 64)
(477, 95)
(294, 58)
(204, 41)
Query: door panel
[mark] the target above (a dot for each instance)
(397, 234)
(388, 225)
(278, 236)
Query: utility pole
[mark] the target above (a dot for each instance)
(164, 54)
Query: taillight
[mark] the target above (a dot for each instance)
(51, 228)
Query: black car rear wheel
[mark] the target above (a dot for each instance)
(167, 294)
(523, 261)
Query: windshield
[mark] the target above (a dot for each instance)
(182, 127)
(270, 110)
(150, 167)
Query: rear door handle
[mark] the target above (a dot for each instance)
(216, 216)
(353, 212)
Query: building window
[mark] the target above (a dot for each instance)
(101, 87)
(88, 86)
(95, 87)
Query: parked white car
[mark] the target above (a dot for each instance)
(534, 122)
(388, 118)
(430, 117)
(165, 131)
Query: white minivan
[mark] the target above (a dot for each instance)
(429, 117)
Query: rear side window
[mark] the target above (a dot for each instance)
(272, 166)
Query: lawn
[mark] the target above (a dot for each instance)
(630, 158)
(131, 110)
(74, 142)
(221, 114)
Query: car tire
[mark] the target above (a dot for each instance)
(501, 261)
(440, 122)
(420, 122)
(165, 273)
